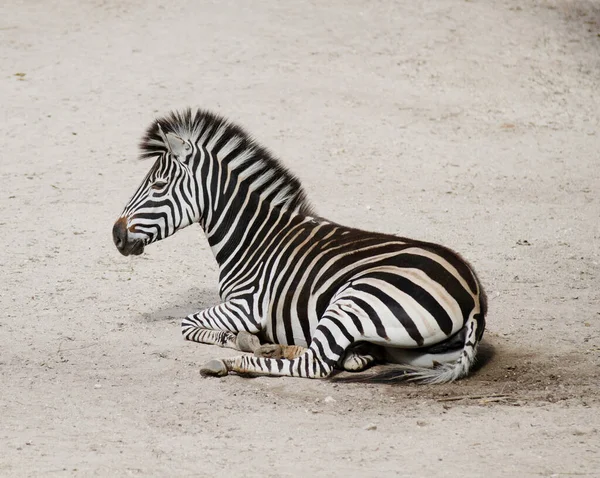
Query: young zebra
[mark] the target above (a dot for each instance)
(320, 294)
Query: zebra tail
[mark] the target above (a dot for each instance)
(449, 372)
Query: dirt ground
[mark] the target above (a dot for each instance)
(470, 123)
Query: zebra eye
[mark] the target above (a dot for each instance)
(156, 185)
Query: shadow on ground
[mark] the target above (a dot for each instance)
(181, 306)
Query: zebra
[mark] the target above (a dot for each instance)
(306, 295)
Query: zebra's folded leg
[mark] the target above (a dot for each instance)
(356, 362)
(307, 366)
(361, 356)
(242, 341)
(328, 345)
(211, 337)
(268, 352)
(277, 351)
(226, 325)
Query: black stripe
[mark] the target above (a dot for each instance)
(331, 341)
(461, 266)
(298, 367)
(352, 252)
(379, 328)
(205, 191)
(441, 275)
(355, 320)
(232, 326)
(320, 348)
(480, 320)
(237, 311)
(307, 364)
(342, 328)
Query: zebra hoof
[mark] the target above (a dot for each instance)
(214, 368)
(247, 342)
(273, 351)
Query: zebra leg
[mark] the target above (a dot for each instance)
(353, 361)
(212, 337)
(329, 343)
(361, 357)
(357, 358)
(242, 341)
(228, 324)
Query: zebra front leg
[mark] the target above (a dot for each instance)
(242, 341)
(228, 324)
(330, 341)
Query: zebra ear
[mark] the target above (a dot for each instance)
(162, 134)
(176, 145)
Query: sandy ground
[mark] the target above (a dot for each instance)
(471, 123)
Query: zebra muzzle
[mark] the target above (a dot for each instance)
(124, 243)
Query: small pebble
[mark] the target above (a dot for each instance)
(371, 426)
(97, 385)
(329, 399)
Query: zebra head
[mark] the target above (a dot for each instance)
(165, 201)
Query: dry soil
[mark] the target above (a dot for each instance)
(470, 123)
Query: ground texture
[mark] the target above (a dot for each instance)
(470, 123)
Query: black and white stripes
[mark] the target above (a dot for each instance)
(345, 297)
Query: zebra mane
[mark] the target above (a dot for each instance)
(230, 144)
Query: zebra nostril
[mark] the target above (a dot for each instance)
(120, 233)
